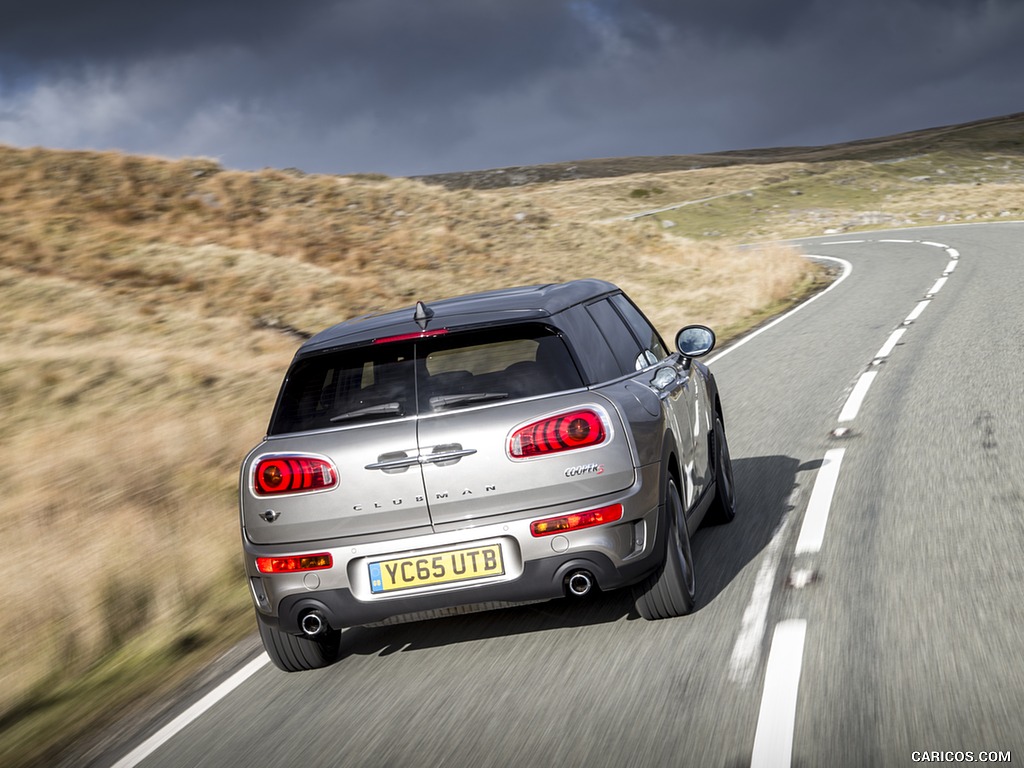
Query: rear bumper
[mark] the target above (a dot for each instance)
(535, 568)
(540, 580)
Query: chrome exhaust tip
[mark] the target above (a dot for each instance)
(579, 583)
(312, 623)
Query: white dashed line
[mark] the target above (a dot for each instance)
(953, 253)
(165, 734)
(812, 533)
(897, 241)
(938, 285)
(916, 311)
(776, 721)
(950, 267)
(856, 398)
(890, 344)
(844, 242)
(747, 649)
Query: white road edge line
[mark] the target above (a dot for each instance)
(856, 398)
(847, 269)
(755, 616)
(178, 724)
(776, 721)
(890, 344)
(812, 532)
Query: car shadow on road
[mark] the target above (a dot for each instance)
(763, 487)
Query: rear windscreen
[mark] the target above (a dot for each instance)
(428, 375)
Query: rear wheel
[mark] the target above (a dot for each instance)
(670, 591)
(299, 654)
(723, 507)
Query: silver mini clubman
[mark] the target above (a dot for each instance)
(482, 451)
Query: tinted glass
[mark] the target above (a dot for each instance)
(592, 349)
(624, 346)
(450, 371)
(642, 329)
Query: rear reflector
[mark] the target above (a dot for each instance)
(564, 432)
(576, 520)
(294, 564)
(275, 475)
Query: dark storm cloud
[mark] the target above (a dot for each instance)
(408, 86)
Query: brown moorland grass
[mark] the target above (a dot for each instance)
(150, 309)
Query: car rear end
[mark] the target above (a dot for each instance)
(431, 470)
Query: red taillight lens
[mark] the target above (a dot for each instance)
(576, 520)
(294, 564)
(565, 432)
(293, 474)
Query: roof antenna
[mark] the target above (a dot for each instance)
(422, 315)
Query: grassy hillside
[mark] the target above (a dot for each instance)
(150, 308)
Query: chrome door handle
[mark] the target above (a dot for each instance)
(445, 456)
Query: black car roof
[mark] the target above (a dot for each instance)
(505, 305)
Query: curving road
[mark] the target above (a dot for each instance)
(866, 606)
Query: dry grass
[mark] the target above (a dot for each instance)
(150, 308)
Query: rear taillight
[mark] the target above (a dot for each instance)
(576, 520)
(294, 564)
(275, 475)
(564, 432)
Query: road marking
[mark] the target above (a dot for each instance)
(916, 311)
(776, 721)
(755, 617)
(178, 724)
(934, 245)
(844, 242)
(847, 269)
(938, 285)
(856, 398)
(950, 267)
(890, 344)
(897, 241)
(953, 253)
(812, 532)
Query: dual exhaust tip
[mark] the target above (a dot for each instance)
(578, 584)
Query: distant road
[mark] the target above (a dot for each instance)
(866, 606)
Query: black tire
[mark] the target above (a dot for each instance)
(723, 507)
(292, 653)
(670, 591)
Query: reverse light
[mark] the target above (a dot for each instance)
(280, 474)
(294, 564)
(564, 432)
(576, 520)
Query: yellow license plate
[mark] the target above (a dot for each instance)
(436, 568)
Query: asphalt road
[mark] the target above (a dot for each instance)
(864, 607)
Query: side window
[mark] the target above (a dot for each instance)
(624, 345)
(641, 328)
(592, 350)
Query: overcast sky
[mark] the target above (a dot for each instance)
(408, 87)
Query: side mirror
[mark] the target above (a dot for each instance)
(695, 341)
